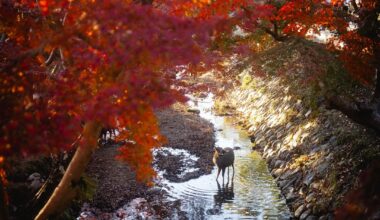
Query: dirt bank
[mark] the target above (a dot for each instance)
(185, 130)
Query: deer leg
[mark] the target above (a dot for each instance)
(233, 171)
(218, 173)
(228, 173)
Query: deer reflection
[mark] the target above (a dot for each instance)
(225, 193)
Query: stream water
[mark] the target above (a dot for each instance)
(251, 194)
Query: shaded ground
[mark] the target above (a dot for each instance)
(116, 184)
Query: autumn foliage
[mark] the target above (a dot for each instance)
(110, 62)
(64, 63)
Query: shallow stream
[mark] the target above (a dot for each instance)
(251, 194)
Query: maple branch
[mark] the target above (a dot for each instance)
(29, 53)
(353, 3)
(50, 57)
(274, 33)
(3, 37)
(267, 30)
(144, 2)
(367, 114)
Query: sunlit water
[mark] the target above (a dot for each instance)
(252, 194)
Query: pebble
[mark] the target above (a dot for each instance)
(309, 178)
(299, 210)
(312, 217)
(310, 197)
(305, 214)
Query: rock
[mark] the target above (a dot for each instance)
(204, 95)
(320, 207)
(280, 135)
(299, 210)
(34, 176)
(315, 186)
(309, 206)
(288, 125)
(325, 147)
(333, 140)
(305, 214)
(375, 215)
(35, 181)
(279, 163)
(282, 183)
(309, 178)
(303, 190)
(213, 211)
(310, 197)
(312, 217)
(289, 173)
(252, 138)
(291, 181)
(290, 197)
(315, 149)
(308, 113)
(195, 111)
(285, 155)
(277, 172)
(271, 162)
(255, 146)
(296, 203)
(321, 169)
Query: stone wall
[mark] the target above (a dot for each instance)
(315, 154)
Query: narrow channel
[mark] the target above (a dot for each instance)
(252, 194)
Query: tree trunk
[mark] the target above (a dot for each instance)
(68, 186)
(376, 95)
(3, 202)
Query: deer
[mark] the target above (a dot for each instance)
(105, 131)
(224, 158)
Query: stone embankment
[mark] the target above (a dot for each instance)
(314, 154)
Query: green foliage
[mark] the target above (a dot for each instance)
(87, 188)
(246, 81)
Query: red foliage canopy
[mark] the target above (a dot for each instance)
(66, 62)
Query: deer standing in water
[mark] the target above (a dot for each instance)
(224, 158)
